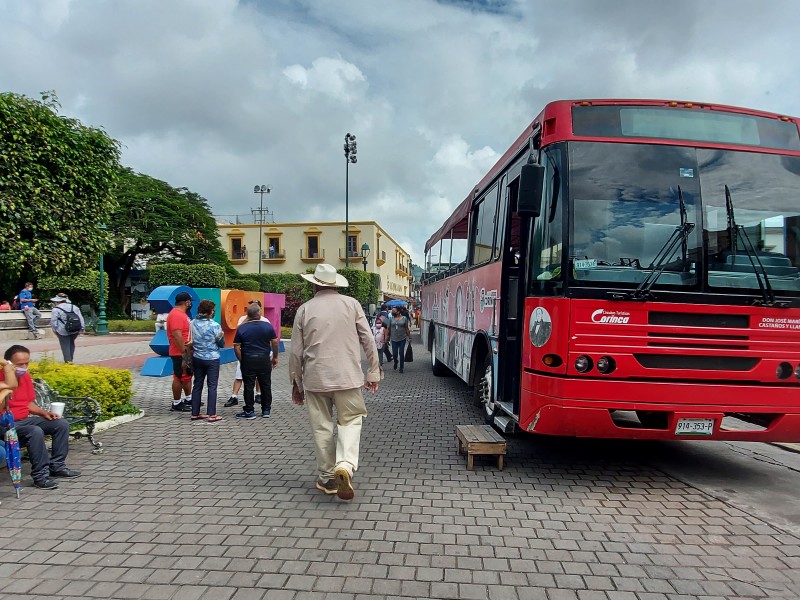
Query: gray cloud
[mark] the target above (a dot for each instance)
(219, 95)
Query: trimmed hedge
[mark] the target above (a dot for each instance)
(364, 286)
(131, 326)
(112, 388)
(196, 276)
(81, 289)
(246, 284)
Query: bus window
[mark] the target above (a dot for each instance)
(458, 258)
(484, 219)
(547, 233)
(505, 199)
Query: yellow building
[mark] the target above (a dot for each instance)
(294, 247)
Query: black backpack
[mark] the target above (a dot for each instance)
(72, 322)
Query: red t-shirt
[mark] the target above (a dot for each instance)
(21, 397)
(177, 319)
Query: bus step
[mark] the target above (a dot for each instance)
(504, 423)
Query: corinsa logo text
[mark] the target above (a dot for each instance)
(602, 315)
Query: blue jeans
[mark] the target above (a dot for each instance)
(205, 369)
(31, 431)
(399, 351)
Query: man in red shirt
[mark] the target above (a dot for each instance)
(178, 334)
(34, 423)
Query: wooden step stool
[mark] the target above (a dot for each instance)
(480, 440)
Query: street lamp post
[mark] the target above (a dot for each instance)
(364, 254)
(102, 322)
(260, 189)
(350, 150)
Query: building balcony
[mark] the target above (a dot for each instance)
(313, 257)
(355, 255)
(273, 256)
(238, 257)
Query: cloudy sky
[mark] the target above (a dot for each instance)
(220, 95)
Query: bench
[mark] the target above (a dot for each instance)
(78, 410)
(480, 440)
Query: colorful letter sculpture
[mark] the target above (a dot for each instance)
(231, 306)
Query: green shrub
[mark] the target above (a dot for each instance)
(286, 333)
(243, 283)
(112, 388)
(279, 283)
(81, 289)
(196, 276)
(364, 286)
(129, 326)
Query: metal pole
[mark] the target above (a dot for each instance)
(102, 323)
(260, 222)
(347, 212)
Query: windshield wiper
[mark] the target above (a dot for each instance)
(767, 294)
(679, 236)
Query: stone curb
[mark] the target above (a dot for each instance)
(113, 422)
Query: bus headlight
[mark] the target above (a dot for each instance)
(606, 364)
(583, 364)
(784, 371)
(797, 372)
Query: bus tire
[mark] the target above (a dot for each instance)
(483, 392)
(438, 368)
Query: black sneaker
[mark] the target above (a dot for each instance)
(401, 369)
(232, 401)
(249, 415)
(180, 407)
(265, 413)
(46, 484)
(395, 366)
(68, 473)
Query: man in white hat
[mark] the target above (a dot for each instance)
(67, 323)
(330, 330)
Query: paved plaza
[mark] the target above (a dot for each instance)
(185, 510)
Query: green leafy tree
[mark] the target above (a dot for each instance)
(56, 185)
(161, 224)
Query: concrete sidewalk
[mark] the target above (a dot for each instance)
(186, 510)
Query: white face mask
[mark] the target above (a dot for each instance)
(20, 371)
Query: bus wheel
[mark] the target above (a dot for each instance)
(439, 370)
(483, 390)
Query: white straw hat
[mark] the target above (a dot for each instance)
(325, 276)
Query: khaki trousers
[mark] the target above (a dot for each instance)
(350, 412)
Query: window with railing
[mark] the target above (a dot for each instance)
(238, 249)
(312, 246)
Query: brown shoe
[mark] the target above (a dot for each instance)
(329, 487)
(344, 484)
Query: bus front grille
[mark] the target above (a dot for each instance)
(700, 363)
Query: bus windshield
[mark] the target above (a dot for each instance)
(626, 205)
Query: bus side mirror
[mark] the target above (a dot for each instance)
(531, 182)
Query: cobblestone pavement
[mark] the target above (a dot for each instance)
(184, 510)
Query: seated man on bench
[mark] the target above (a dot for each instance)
(34, 423)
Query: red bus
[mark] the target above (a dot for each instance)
(628, 269)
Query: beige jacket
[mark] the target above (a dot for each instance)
(329, 332)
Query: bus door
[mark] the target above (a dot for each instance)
(512, 304)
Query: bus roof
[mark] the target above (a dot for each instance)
(557, 120)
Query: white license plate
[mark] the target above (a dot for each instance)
(695, 427)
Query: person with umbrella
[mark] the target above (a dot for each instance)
(33, 424)
(9, 449)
